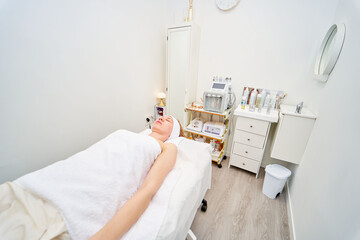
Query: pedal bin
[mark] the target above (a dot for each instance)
(275, 179)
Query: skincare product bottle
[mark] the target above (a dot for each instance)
(267, 101)
(273, 100)
(258, 102)
(243, 102)
(277, 102)
(252, 100)
(212, 144)
(217, 146)
(259, 107)
(263, 96)
(268, 110)
(246, 95)
(190, 13)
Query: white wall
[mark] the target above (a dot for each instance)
(273, 44)
(325, 193)
(72, 72)
(264, 44)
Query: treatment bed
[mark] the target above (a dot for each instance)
(170, 213)
(194, 162)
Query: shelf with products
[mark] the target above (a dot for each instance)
(218, 153)
(206, 135)
(200, 109)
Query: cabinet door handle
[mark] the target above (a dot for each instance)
(243, 163)
(251, 126)
(249, 139)
(246, 151)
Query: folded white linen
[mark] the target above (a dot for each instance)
(89, 187)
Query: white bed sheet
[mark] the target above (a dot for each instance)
(194, 163)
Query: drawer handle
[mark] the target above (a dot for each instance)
(251, 126)
(249, 139)
(243, 163)
(246, 151)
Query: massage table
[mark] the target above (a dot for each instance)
(184, 190)
(194, 160)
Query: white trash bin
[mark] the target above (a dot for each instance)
(275, 179)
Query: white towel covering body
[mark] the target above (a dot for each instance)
(91, 186)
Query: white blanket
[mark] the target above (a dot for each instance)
(194, 163)
(89, 187)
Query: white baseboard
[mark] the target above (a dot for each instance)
(290, 214)
(191, 236)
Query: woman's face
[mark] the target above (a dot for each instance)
(163, 126)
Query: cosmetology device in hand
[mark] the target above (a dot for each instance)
(220, 97)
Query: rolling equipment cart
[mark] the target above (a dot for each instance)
(216, 156)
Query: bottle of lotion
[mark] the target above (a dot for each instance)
(263, 97)
(258, 102)
(246, 95)
(252, 100)
(243, 102)
(267, 101)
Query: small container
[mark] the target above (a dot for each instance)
(267, 101)
(258, 101)
(273, 101)
(277, 102)
(268, 110)
(212, 144)
(252, 100)
(243, 102)
(263, 97)
(246, 95)
(217, 146)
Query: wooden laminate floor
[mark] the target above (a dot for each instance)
(237, 208)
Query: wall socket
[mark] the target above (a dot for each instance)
(149, 120)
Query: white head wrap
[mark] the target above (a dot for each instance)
(176, 129)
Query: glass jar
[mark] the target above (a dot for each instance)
(217, 146)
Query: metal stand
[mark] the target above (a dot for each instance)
(222, 139)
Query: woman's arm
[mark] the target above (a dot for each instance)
(131, 211)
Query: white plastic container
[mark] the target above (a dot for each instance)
(246, 95)
(252, 100)
(275, 179)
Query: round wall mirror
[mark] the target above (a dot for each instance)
(329, 52)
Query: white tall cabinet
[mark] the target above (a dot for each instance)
(182, 54)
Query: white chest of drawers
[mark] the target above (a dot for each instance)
(250, 137)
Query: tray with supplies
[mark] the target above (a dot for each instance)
(214, 132)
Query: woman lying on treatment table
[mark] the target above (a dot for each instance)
(115, 210)
(163, 129)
